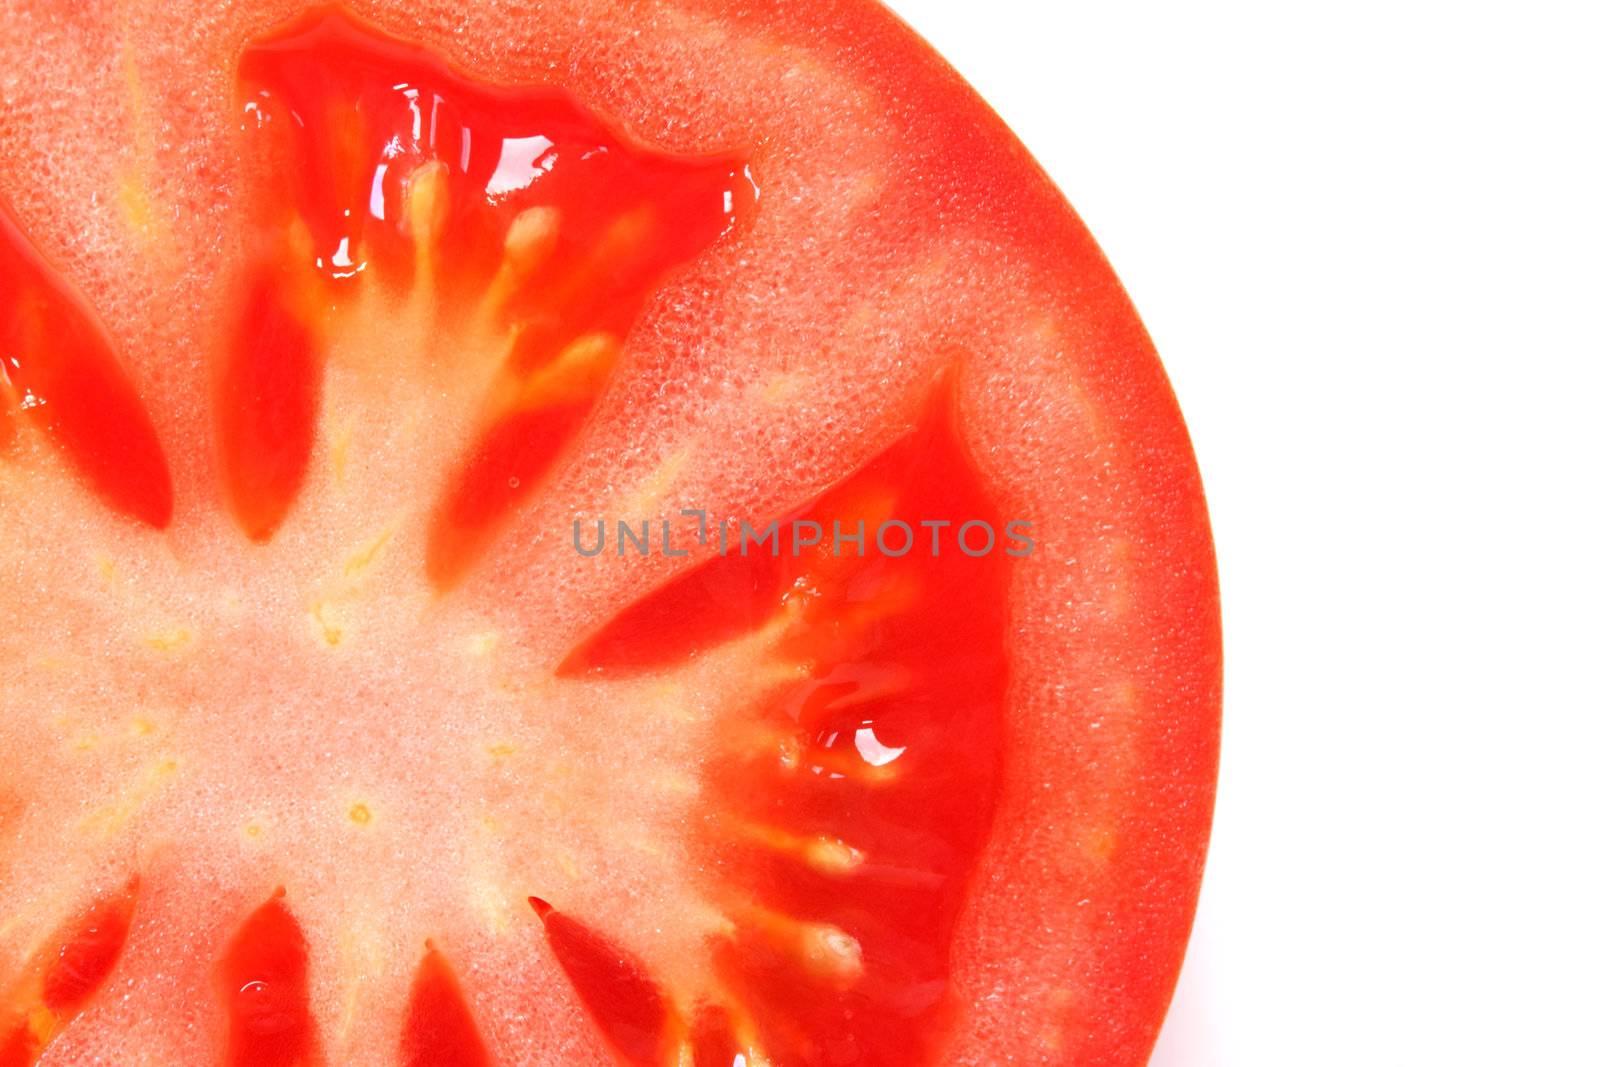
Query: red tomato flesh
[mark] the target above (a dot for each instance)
(512, 208)
(63, 977)
(263, 976)
(58, 369)
(661, 543)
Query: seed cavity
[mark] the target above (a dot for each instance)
(439, 1029)
(264, 981)
(58, 982)
(505, 220)
(60, 373)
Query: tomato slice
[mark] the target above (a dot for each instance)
(628, 535)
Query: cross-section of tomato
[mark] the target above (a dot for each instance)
(578, 532)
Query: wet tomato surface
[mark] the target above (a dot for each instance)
(564, 533)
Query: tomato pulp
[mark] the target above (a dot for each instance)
(619, 535)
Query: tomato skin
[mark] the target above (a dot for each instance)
(1079, 920)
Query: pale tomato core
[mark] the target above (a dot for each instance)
(814, 772)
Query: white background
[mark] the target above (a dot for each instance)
(1365, 238)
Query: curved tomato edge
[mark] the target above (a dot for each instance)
(1121, 361)
(1121, 364)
